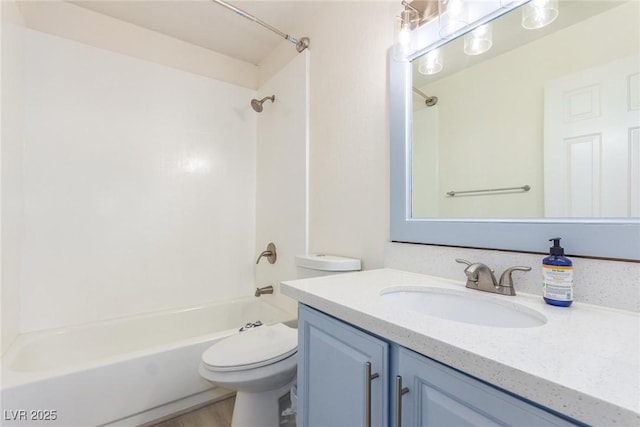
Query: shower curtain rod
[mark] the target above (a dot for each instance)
(301, 44)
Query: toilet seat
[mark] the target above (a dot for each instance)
(251, 349)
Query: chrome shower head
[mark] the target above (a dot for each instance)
(257, 105)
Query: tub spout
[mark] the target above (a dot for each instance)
(264, 290)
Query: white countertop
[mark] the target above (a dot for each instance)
(584, 362)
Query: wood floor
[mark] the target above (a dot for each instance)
(215, 415)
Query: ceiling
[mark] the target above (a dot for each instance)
(211, 26)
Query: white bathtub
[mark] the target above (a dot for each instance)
(125, 371)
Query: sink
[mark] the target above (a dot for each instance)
(461, 306)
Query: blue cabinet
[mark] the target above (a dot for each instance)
(342, 374)
(348, 377)
(436, 395)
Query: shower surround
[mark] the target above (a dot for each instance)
(139, 186)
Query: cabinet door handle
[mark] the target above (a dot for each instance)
(367, 392)
(398, 404)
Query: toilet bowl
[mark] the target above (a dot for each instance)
(260, 364)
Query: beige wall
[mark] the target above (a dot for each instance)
(349, 131)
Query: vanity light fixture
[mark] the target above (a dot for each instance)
(539, 13)
(479, 40)
(452, 15)
(405, 23)
(431, 63)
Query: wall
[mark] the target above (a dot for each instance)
(12, 38)
(348, 127)
(139, 186)
(282, 147)
(349, 161)
(514, 83)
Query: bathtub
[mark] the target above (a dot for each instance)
(125, 371)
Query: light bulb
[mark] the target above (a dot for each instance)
(452, 15)
(539, 13)
(403, 34)
(479, 40)
(431, 63)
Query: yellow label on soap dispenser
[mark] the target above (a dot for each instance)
(557, 282)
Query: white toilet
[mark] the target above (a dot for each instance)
(260, 363)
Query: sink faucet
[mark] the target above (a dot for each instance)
(481, 278)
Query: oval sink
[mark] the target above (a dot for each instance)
(463, 307)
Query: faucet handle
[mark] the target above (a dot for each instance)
(506, 280)
(270, 254)
(471, 270)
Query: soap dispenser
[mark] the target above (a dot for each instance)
(557, 276)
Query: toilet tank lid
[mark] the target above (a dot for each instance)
(325, 262)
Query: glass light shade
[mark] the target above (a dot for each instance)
(479, 40)
(452, 16)
(539, 13)
(403, 34)
(431, 63)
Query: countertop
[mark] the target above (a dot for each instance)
(584, 362)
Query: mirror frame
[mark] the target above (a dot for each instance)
(613, 238)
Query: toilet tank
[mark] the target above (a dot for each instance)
(314, 265)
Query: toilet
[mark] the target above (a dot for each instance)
(260, 362)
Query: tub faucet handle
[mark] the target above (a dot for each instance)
(269, 254)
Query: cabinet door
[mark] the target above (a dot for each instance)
(332, 373)
(441, 396)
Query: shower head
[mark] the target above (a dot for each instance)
(431, 101)
(257, 105)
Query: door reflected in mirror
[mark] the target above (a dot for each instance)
(545, 124)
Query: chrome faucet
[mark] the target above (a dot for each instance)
(264, 290)
(481, 278)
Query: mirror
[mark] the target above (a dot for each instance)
(491, 129)
(501, 95)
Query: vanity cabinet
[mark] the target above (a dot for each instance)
(336, 386)
(343, 373)
(437, 395)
